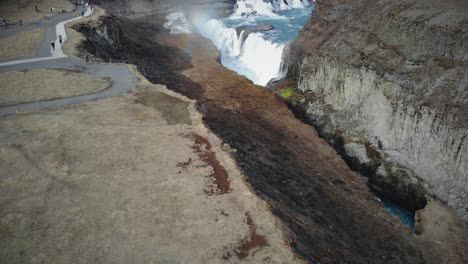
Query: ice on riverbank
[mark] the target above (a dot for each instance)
(177, 23)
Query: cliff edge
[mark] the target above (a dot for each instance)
(387, 82)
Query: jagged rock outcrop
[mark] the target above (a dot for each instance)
(249, 30)
(391, 77)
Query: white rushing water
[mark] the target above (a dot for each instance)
(259, 55)
(266, 8)
(255, 57)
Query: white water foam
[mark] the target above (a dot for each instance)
(260, 56)
(289, 4)
(177, 23)
(253, 7)
(245, 8)
(254, 56)
(224, 38)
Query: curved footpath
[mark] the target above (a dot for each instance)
(121, 78)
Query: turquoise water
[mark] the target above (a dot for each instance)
(259, 56)
(406, 217)
(287, 23)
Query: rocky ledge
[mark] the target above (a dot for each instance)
(249, 30)
(386, 84)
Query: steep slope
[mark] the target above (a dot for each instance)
(386, 82)
(328, 212)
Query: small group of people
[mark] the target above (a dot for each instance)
(52, 44)
(85, 4)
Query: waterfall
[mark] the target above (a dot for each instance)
(288, 4)
(262, 57)
(258, 55)
(224, 38)
(266, 7)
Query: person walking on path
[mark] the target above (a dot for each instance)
(82, 13)
(53, 45)
(60, 39)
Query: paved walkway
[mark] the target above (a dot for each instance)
(45, 50)
(122, 79)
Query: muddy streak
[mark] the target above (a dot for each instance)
(255, 241)
(184, 165)
(220, 176)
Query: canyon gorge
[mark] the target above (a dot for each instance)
(258, 131)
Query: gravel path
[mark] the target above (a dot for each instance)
(122, 79)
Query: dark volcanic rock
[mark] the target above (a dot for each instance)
(248, 30)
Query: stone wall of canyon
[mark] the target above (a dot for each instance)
(390, 84)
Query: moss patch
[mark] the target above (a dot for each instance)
(288, 93)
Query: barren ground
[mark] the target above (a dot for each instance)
(23, 44)
(439, 227)
(39, 85)
(127, 180)
(15, 10)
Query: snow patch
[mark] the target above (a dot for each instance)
(177, 23)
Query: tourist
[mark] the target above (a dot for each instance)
(53, 45)
(82, 13)
(60, 39)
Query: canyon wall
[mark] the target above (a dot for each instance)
(386, 81)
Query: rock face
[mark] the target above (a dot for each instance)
(257, 28)
(391, 78)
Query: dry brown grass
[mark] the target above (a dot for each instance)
(23, 44)
(15, 10)
(112, 173)
(39, 85)
(74, 37)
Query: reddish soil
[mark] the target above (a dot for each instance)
(255, 241)
(220, 176)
